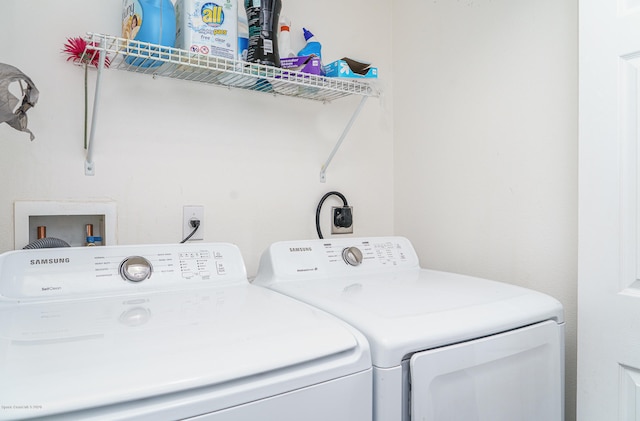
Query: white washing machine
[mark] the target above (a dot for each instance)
(445, 347)
(167, 332)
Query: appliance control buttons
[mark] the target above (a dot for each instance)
(352, 256)
(135, 269)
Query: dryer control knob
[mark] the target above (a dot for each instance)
(352, 256)
(135, 269)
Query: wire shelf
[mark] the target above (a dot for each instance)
(156, 60)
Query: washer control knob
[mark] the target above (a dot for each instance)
(135, 269)
(352, 256)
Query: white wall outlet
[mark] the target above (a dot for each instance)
(190, 213)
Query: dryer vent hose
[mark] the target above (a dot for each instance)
(46, 243)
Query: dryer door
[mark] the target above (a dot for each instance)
(516, 375)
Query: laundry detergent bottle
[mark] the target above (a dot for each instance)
(252, 9)
(152, 21)
(262, 16)
(269, 18)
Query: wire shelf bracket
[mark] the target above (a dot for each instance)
(323, 170)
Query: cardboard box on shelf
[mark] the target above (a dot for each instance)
(349, 68)
(208, 28)
(305, 64)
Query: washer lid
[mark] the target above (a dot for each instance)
(245, 341)
(399, 307)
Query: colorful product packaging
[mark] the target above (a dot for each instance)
(208, 27)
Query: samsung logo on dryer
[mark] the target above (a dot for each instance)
(56, 261)
(299, 249)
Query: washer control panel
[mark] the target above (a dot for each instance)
(76, 271)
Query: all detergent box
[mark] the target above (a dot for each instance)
(208, 27)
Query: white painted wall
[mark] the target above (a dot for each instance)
(252, 160)
(485, 134)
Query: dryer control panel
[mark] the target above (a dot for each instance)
(82, 271)
(314, 259)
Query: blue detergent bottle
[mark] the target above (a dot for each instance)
(152, 21)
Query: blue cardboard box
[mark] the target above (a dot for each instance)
(349, 68)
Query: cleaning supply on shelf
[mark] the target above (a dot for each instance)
(313, 46)
(305, 64)
(208, 28)
(269, 17)
(350, 68)
(252, 9)
(236, 78)
(243, 32)
(151, 21)
(262, 17)
(284, 39)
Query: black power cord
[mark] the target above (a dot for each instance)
(331, 193)
(195, 223)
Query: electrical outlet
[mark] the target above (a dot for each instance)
(342, 220)
(189, 213)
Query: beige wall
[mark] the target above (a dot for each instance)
(252, 160)
(485, 135)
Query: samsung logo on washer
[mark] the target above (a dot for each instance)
(299, 249)
(36, 262)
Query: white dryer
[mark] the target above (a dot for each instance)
(445, 347)
(167, 332)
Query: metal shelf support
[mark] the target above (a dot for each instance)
(323, 170)
(89, 166)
